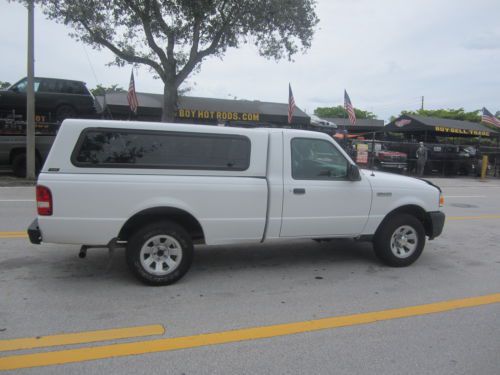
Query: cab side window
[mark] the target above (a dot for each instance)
(317, 159)
(71, 87)
(48, 85)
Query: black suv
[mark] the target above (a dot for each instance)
(55, 100)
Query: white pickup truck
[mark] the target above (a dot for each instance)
(159, 188)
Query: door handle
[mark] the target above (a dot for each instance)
(299, 191)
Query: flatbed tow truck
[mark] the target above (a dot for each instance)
(13, 143)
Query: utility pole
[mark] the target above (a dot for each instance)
(30, 99)
(422, 106)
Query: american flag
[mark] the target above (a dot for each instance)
(132, 96)
(291, 104)
(349, 108)
(489, 118)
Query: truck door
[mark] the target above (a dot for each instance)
(319, 199)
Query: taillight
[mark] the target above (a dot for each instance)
(441, 200)
(43, 200)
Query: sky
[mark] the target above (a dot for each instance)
(387, 54)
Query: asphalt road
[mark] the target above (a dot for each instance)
(46, 290)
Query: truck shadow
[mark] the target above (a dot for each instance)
(290, 257)
(289, 254)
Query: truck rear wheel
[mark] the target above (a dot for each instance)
(160, 253)
(400, 240)
(65, 111)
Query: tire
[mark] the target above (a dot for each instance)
(395, 251)
(19, 165)
(160, 253)
(65, 111)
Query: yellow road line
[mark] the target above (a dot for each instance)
(80, 337)
(478, 217)
(13, 235)
(168, 344)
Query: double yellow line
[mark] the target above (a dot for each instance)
(80, 337)
(168, 344)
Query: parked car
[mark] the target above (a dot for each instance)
(55, 100)
(159, 188)
(386, 159)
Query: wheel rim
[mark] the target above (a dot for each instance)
(404, 241)
(161, 255)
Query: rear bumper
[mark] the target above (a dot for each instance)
(436, 224)
(34, 233)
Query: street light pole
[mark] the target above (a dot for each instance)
(30, 104)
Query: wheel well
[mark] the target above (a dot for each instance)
(64, 104)
(414, 210)
(181, 217)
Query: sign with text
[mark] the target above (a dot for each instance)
(443, 129)
(362, 153)
(217, 115)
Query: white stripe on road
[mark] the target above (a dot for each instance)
(17, 200)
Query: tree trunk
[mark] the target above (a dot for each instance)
(169, 107)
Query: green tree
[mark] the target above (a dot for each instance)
(100, 90)
(453, 114)
(173, 37)
(4, 85)
(340, 112)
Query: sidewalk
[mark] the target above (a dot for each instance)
(8, 180)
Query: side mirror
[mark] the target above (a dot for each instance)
(353, 173)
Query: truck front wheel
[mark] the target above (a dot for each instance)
(400, 240)
(160, 253)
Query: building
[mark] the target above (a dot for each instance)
(197, 110)
(361, 126)
(427, 129)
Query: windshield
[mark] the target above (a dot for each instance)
(23, 84)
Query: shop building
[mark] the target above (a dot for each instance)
(361, 125)
(429, 129)
(208, 111)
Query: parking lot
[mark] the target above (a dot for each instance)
(296, 307)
